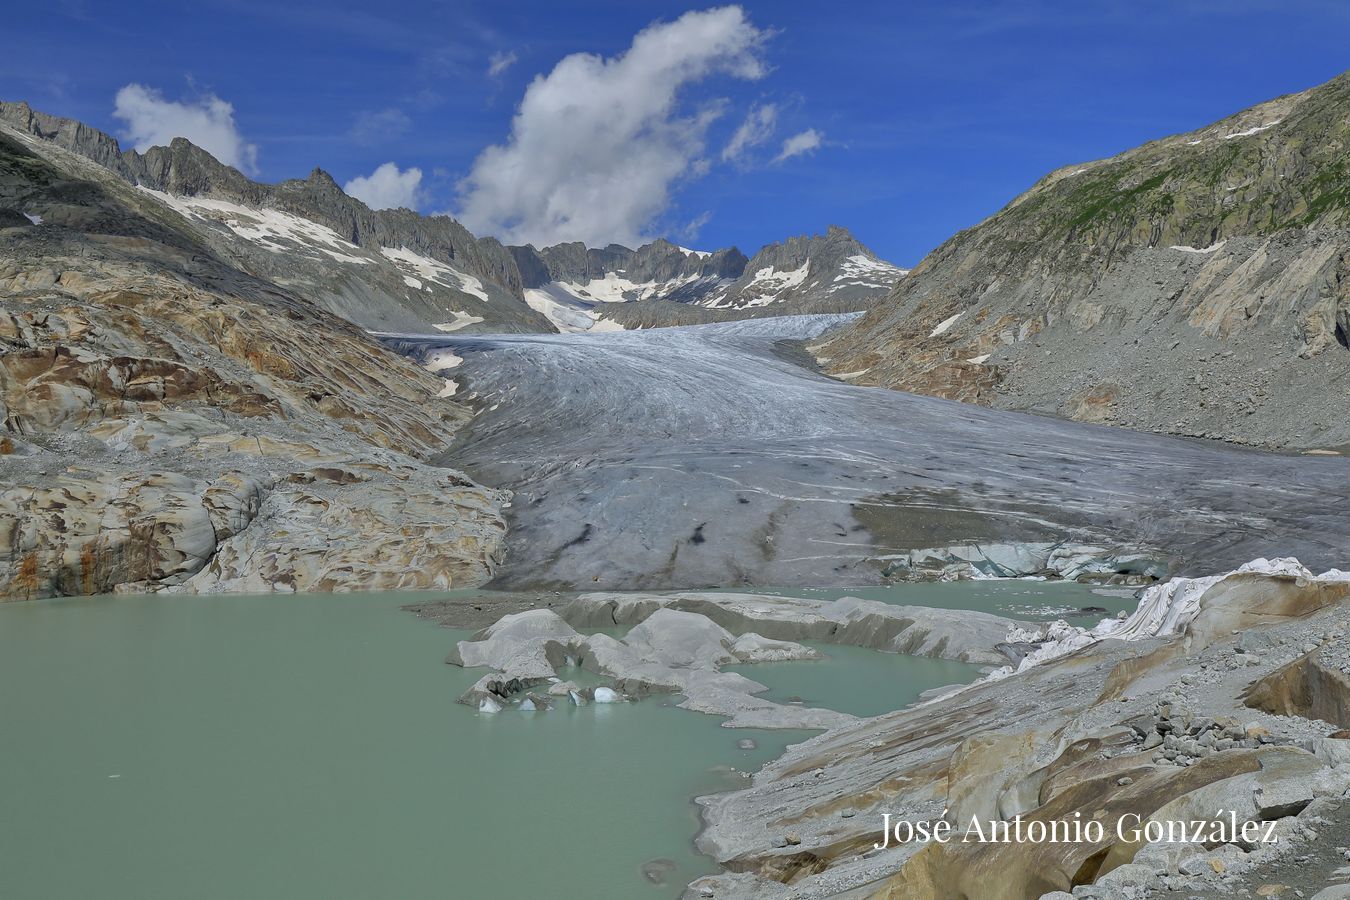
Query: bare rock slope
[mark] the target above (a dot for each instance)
(387, 270)
(171, 421)
(1197, 285)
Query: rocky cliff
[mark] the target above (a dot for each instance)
(174, 421)
(399, 271)
(1198, 285)
(390, 270)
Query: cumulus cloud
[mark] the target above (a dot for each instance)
(597, 144)
(387, 187)
(500, 61)
(207, 121)
(807, 141)
(756, 129)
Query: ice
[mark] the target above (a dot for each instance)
(36, 220)
(1164, 609)
(451, 385)
(701, 254)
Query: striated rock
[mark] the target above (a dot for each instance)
(173, 422)
(384, 269)
(1058, 741)
(1196, 285)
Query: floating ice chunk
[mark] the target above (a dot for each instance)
(528, 705)
(489, 705)
(577, 699)
(607, 695)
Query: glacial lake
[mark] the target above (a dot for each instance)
(310, 746)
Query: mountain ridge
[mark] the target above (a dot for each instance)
(1198, 284)
(486, 286)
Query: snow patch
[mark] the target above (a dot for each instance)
(1210, 249)
(412, 282)
(433, 270)
(768, 284)
(701, 254)
(451, 385)
(271, 229)
(443, 361)
(461, 319)
(36, 220)
(945, 324)
(1250, 131)
(980, 360)
(864, 271)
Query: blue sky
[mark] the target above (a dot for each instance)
(929, 115)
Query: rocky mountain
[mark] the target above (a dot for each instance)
(175, 421)
(398, 271)
(386, 270)
(663, 284)
(1198, 285)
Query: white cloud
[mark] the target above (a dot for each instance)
(500, 61)
(207, 122)
(387, 187)
(597, 144)
(755, 130)
(807, 141)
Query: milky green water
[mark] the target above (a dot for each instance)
(1014, 598)
(311, 747)
(854, 680)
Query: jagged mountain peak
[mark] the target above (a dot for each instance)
(307, 224)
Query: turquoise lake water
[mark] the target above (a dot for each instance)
(302, 747)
